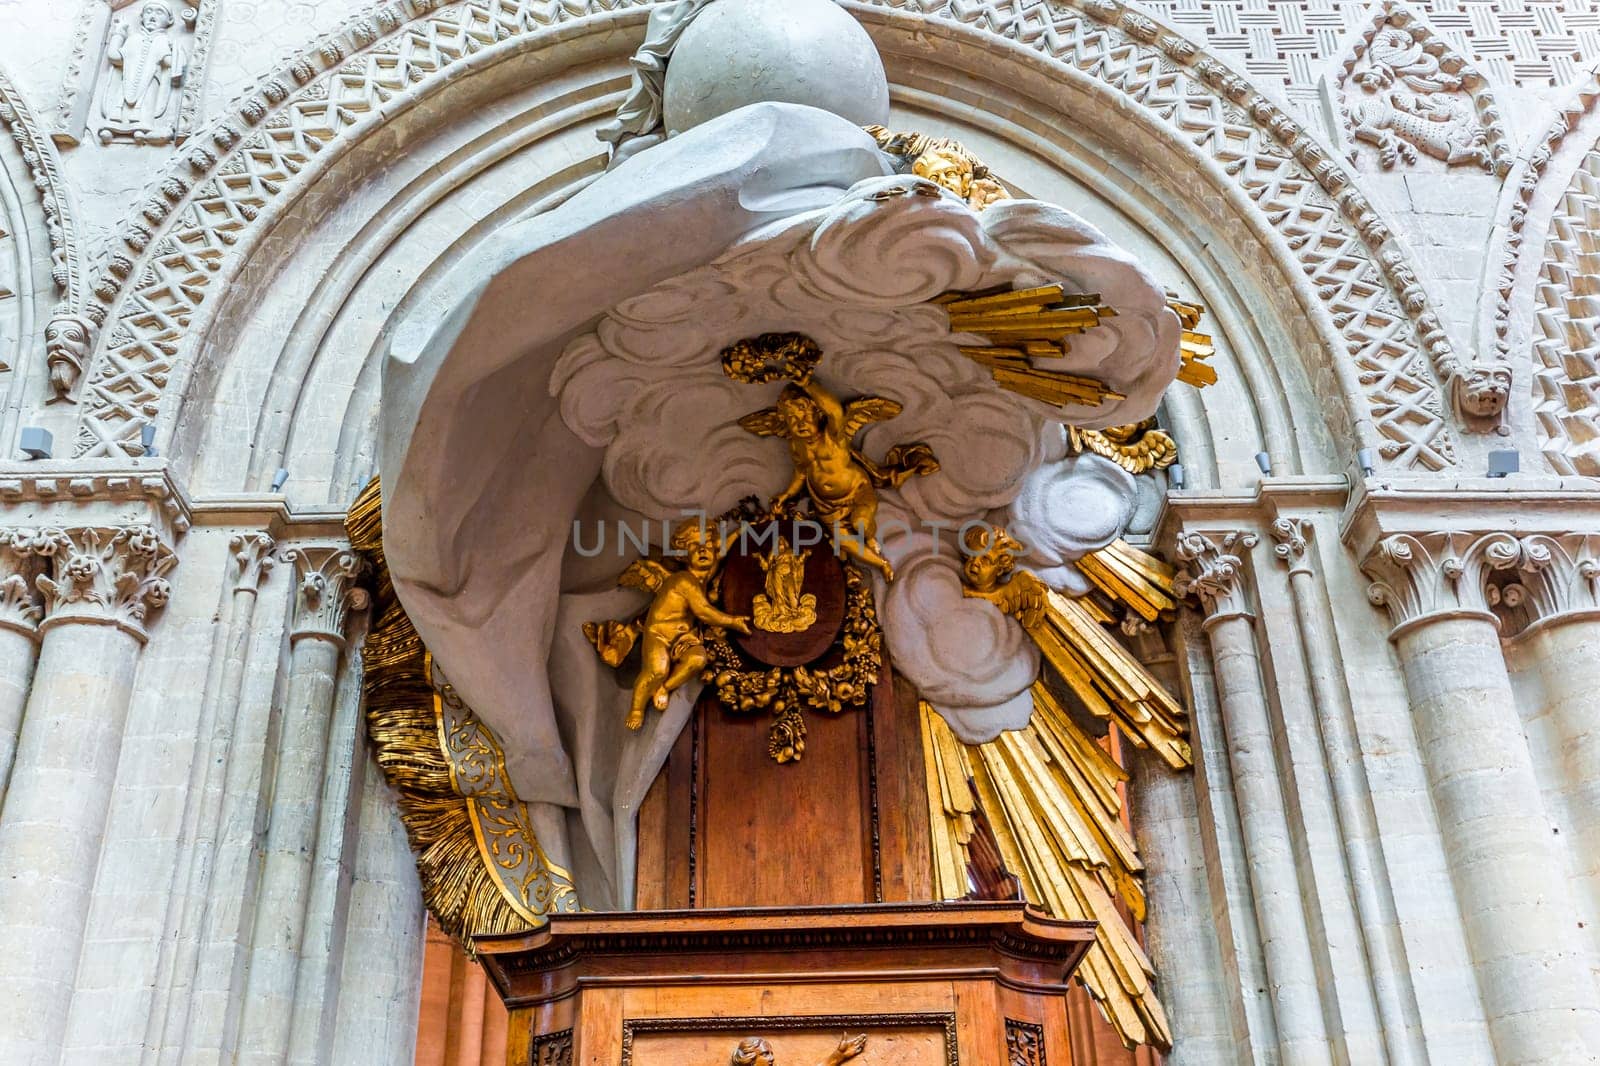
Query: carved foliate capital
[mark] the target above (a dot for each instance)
(1212, 569)
(1291, 543)
(253, 560)
(103, 575)
(1428, 576)
(1556, 578)
(21, 605)
(327, 591)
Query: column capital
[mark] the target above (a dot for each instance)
(21, 606)
(1423, 577)
(253, 560)
(326, 592)
(1292, 542)
(102, 575)
(1556, 578)
(1211, 567)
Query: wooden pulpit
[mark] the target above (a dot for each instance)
(979, 984)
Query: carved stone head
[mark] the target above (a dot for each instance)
(156, 15)
(1483, 391)
(66, 346)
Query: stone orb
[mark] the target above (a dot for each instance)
(739, 52)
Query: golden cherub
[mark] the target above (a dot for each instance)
(672, 652)
(841, 481)
(782, 607)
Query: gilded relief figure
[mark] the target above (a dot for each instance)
(672, 648)
(754, 1051)
(840, 480)
(783, 608)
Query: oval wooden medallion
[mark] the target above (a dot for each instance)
(743, 579)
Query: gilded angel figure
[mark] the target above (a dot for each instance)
(672, 650)
(838, 477)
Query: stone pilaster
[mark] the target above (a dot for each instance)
(325, 596)
(21, 608)
(1212, 569)
(1518, 912)
(218, 808)
(104, 587)
(1380, 957)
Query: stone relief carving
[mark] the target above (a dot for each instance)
(1408, 95)
(43, 170)
(142, 85)
(66, 346)
(207, 208)
(1566, 348)
(115, 574)
(1212, 570)
(21, 606)
(327, 591)
(147, 64)
(1425, 575)
(1288, 40)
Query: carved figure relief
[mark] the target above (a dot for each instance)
(755, 1051)
(1408, 96)
(782, 607)
(839, 479)
(148, 61)
(137, 70)
(66, 345)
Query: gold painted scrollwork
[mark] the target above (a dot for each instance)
(478, 857)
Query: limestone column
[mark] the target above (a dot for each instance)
(1559, 581)
(1213, 570)
(325, 594)
(1364, 866)
(1517, 909)
(19, 639)
(104, 586)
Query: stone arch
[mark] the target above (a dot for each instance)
(1376, 341)
(36, 228)
(1543, 314)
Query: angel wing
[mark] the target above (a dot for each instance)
(646, 575)
(766, 422)
(868, 409)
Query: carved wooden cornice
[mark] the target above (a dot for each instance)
(1022, 944)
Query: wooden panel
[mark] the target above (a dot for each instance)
(907, 857)
(783, 835)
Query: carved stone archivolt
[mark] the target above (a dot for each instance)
(1333, 236)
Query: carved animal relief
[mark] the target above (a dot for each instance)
(1408, 97)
